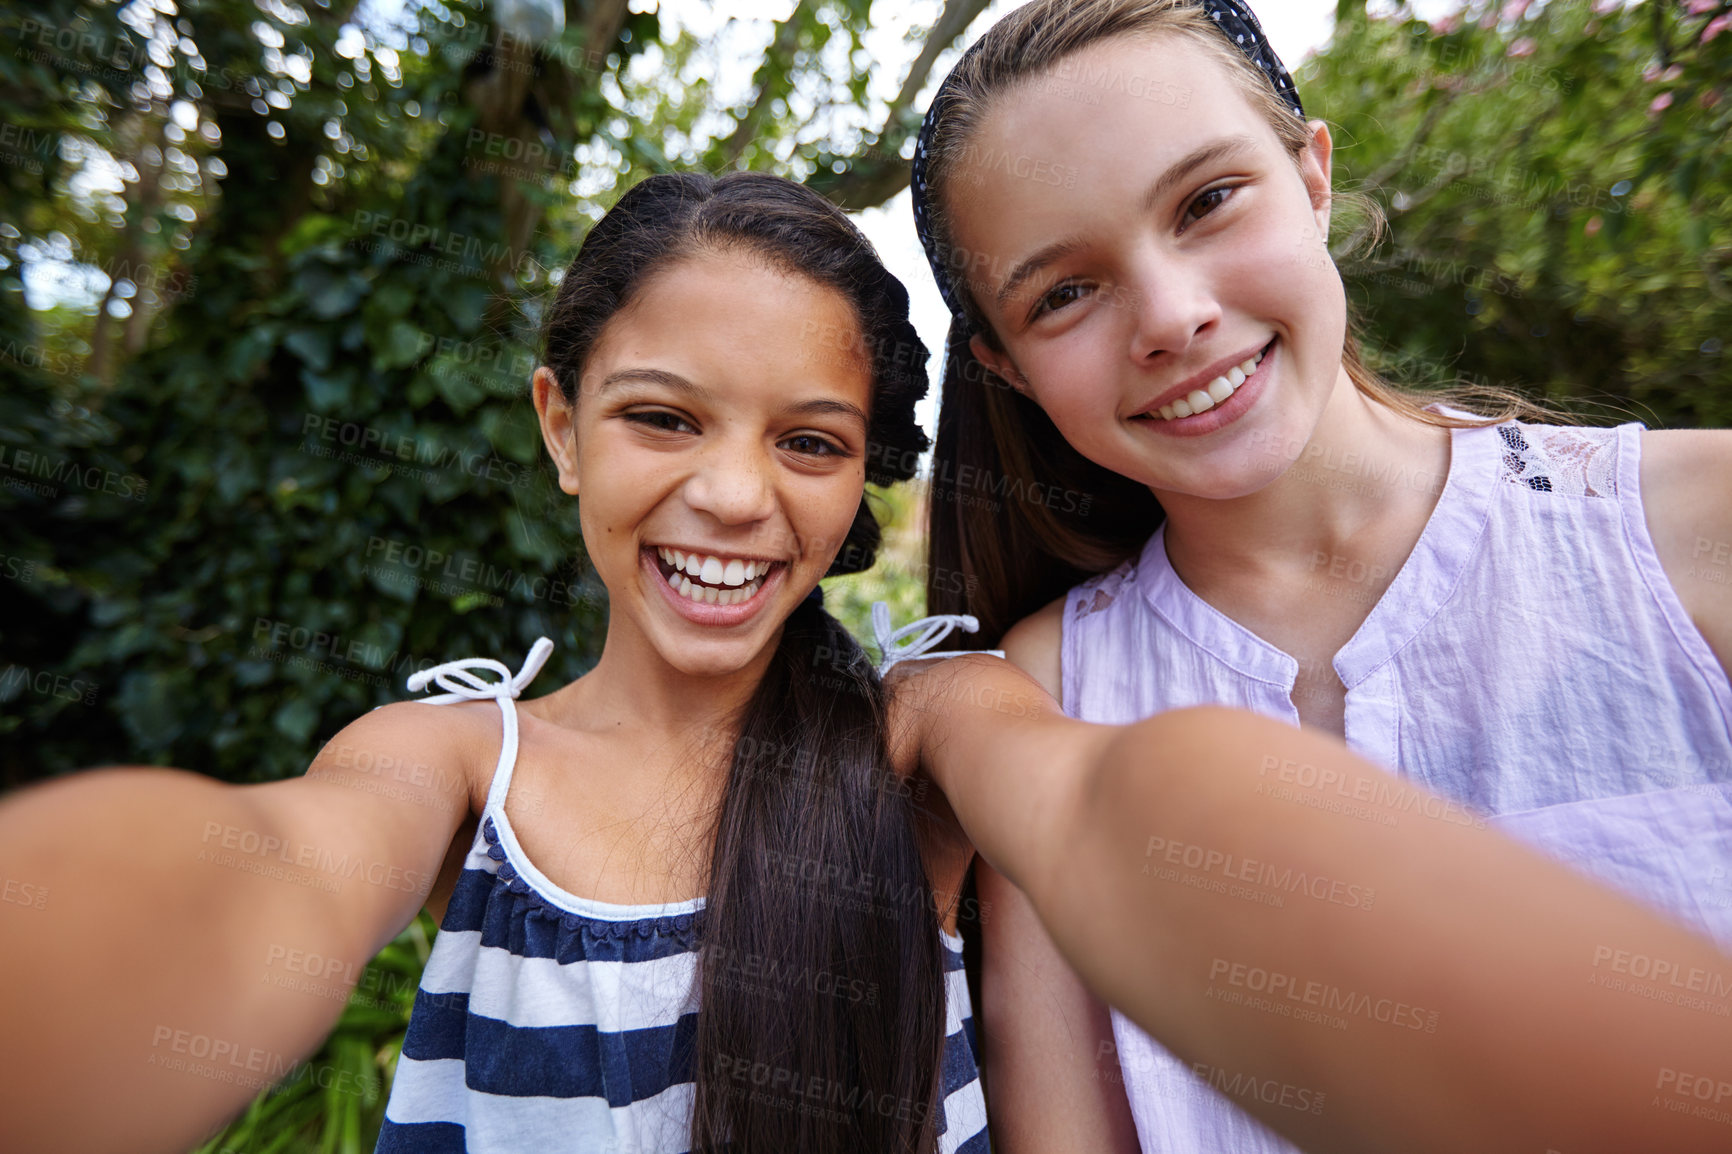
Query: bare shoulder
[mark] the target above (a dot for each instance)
(1686, 482)
(1034, 644)
(425, 755)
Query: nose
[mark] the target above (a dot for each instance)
(1174, 305)
(732, 483)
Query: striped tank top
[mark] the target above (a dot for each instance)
(550, 1022)
(1531, 660)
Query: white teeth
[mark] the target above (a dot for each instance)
(698, 575)
(1202, 400)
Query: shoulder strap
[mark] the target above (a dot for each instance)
(460, 681)
(925, 633)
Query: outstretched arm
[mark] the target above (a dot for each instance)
(1439, 986)
(194, 941)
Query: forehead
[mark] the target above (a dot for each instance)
(1101, 122)
(734, 318)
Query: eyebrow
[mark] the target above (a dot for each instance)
(817, 407)
(1223, 149)
(1210, 153)
(654, 377)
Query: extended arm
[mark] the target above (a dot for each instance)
(1437, 985)
(194, 940)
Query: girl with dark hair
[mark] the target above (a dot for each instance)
(1165, 477)
(727, 362)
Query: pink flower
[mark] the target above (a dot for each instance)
(1716, 26)
(1661, 103)
(1523, 47)
(1592, 228)
(1516, 9)
(1651, 73)
(1698, 7)
(1444, 25)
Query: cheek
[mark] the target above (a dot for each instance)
(1083, 406)
(615, 495)
(822, 511)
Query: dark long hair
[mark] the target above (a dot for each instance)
(1018, 516)
(821, 984)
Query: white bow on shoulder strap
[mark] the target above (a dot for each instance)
(459, 680)
(925, 633)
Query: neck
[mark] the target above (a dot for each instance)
(1364, 484)
(633, 695)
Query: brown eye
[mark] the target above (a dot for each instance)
(660, 419)
(1057, 298)
(1207, 203)
(808, 445)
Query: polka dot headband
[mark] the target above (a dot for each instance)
(1237, 23)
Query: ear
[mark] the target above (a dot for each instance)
(999, 363)
(1316, 168)
(558, 426)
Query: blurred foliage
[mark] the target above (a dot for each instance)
(899, 577)
(1559, 195)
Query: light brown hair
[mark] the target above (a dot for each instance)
(1015, 554)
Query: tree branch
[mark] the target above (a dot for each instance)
(778, 59)
(951, 23)
(879, 173)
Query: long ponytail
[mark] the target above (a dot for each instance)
(821, 990)
(817, 889)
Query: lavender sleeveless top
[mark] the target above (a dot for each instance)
(1530, 661)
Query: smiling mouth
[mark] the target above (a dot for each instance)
(1214, 393)
(712, 579)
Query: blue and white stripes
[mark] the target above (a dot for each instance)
(549, 1022)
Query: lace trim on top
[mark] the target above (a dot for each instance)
(1098, 593)
(1568, 461)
